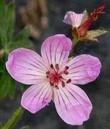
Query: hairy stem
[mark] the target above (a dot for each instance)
(14, 119)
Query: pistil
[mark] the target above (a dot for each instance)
(55, 76)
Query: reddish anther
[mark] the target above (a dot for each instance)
(52, 66)
(55, 76)
(68, 81)
(57, 66)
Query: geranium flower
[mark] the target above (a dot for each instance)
(54, 76)
(82, 22)
(74, 19)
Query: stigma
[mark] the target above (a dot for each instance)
(56, 77)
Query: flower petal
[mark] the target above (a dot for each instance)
(25, 66)
(73, 19)
(55, 49)
(83, 69)
(72, 104)
(37, 97)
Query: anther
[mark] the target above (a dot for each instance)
(51, 84)
(66, 67)
(51, 66)
(57, 66)
(47, 72)
(56, 86)
(63, 83)
(68, 81)
(65, 72)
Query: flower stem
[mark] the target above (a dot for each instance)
(75, 41)
(14, 119)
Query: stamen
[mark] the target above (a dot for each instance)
(51, 84)
(47, 72)
(57, 66)
(52, 66)
(55, 77)
(66, 67)
(63, 83)
(68, 81)
(56, 87)
(66, 72)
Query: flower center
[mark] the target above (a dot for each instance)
(55, 76)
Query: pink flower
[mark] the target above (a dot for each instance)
(82, 22)
(54, 76)
(73, 18)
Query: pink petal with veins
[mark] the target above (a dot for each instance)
(73, 19)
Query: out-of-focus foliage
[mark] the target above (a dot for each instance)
(9, 41)
(25, 127)
(6, 82)
(0, 125)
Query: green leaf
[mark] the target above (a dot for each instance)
(10, 20)
(21, 40)
(2, 20)
(2, 8)
(8, 40)
(22, 36)
(7, 20)
(7, 87)
(2, 63)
